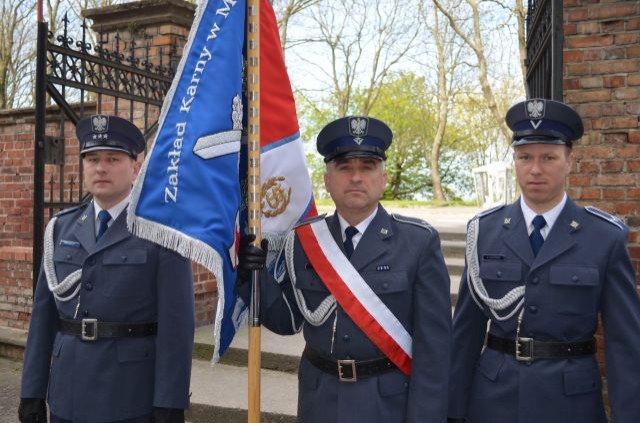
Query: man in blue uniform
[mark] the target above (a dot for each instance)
(542, 272)
(112, 326)
(370, 291)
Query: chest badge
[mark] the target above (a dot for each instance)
(383, 268)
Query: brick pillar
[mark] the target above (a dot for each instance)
(157, 29)
(602, 81)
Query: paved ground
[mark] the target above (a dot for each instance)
(9, 390)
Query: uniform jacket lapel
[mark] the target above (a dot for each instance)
(117, 232)
(560, 238)
(516, 236)
(85, 230)
(371, 245)
(334, 227)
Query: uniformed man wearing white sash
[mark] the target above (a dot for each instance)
(369, 290)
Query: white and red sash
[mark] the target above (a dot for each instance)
(354, 295)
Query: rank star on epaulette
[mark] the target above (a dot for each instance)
(575, 225)
(384, 231)
(83, 218)
(507, 221)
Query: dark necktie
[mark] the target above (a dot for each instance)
(536, 238)
(104, 217)
(350, 232)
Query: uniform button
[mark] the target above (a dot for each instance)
(406, 384)
(88, 286)
(535, 280)
(346, 338)
(531, 335)
(533, 309)
(575, 278)
(124, 258)
(348, 357)
(68, 257)
(92, 261)
(85, 313)
(499, 274)
(385, 285)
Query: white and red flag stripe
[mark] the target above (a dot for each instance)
(287, 197)
(354, 295)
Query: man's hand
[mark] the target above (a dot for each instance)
(167, 415)
(250, 257)
(32, 410)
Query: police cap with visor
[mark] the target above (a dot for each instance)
(542, 121)
(102, 132)
(354, 136)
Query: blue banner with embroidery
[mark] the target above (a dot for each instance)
(187, 195)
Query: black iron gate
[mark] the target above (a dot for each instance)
(80, 77)
(544, 49)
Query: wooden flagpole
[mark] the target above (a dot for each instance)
(254, 200)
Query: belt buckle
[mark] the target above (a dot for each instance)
(519, 355)
(92, 326)
(343, 363)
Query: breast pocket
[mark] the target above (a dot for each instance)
(574, 289)
(387, 283)
(67, 260)
(123, 273)
(501, 271)
(500, 277)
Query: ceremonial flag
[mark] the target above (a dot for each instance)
(286, 186)
(188, 196)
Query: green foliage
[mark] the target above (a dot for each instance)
(407, 105)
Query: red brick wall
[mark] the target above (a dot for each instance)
(16, 217)
(602, 81)
(15, 286)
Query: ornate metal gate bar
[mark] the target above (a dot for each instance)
(544, 49)
(74, 73)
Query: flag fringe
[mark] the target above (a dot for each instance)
(192, 249)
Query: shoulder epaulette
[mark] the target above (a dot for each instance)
(488, 211)
(70, 209)
(412, 221)
(606, 216)
(311, 220)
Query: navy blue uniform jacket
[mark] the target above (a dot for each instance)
(402, 263)
(124, 279)
(582, 273)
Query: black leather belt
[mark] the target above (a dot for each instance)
(349, 370)
(92, 329)
(528, 349)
